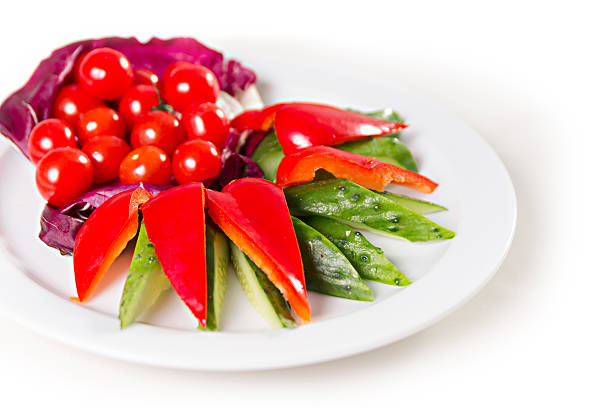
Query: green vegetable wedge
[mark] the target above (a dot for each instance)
(348, 202)
(369, 260)
(268, 155)
(144, 283)
(386, 149)
(326, 269)
(418, 206)
(262, 294)
(217, 260)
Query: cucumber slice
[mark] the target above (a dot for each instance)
(217, 260)
(144, 283)
(262, 294)
(369, 260)
(326, 269)
(268, 155)
(385, 114)
(352, 204)
(418, 206)
(386, 149)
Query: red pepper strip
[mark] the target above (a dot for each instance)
(253, 213)
(103, 237)
(175, 225)
(300, 125)
(300, 167)
(259, 119)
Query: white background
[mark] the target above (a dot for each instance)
(533, 77)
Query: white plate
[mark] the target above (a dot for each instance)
(474, 185)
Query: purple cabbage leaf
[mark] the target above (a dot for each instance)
(59, 226)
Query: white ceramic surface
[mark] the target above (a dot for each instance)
(474, 185)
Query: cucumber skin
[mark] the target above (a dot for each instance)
(386, 149)
(418, 206)
(280, 310)
(217, 260)
(326, 268)
(369, 260)
(268, 155)
(144, 283)
(385, 114)
(348, 202)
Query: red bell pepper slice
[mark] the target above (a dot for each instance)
(258, 119)
(175, 225)
(300, 167)
(253, 213)
(300, 125)
(103, 237)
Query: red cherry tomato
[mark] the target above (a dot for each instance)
(106, 154)
(63, 175)
(71, 102)
(102, 121)
(158, 128)
(196, 160)
(137, 100)
(147, 164)
(74, 75)
(206, 121)
(105, 73)
(145, 77)
(47, 135)
(187, 84)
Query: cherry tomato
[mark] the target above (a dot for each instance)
(158, 128)
(147, 164)
(74, 75)
(145, 77)
(71, 102)
(102, 121)
(187, 84)
(206, 121)
(63, 174)
(105, 73)
(196, 160)
(106, 154)
(137, 100)
(47, 135)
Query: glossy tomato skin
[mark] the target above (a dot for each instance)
(206, 121)
(106, 154)
(71, 101)
(158, 128)
(63, 174)
(105, 73)
(147, 164)
(145, 77)
(187, 84)
(138, 100)
(47, 135)
(74, 75)
(102, 121)
(196, 160)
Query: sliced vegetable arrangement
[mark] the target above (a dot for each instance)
(151, 142)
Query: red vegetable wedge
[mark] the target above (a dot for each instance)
(103, 237)
(175, 225)
(253, 213)
(300, 125)
(258, 119)
(300, 167)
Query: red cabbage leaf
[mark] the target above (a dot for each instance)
(59, 226)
